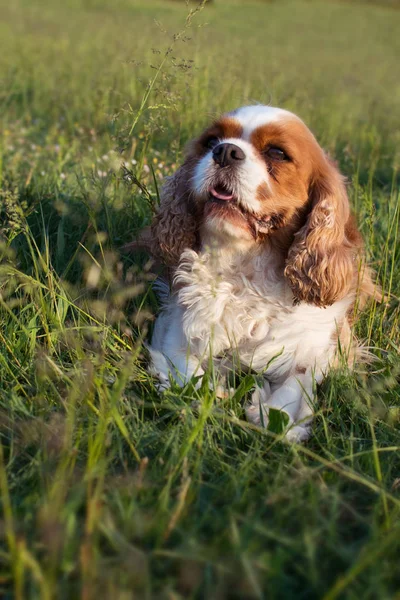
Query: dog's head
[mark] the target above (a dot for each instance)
(258, 176)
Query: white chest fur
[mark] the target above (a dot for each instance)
(244, 306)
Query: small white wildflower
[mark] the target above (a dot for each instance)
(63, 176)
(133, 161)
(93, 276)
(146, 168)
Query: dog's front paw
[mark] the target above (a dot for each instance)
(269, 417)
(257, 414)
(223, 393)
(278, 422)
(298, 434)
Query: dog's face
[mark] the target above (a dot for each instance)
(252, 171)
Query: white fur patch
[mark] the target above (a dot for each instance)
(252, 117)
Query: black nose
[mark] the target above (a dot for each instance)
(227, 154)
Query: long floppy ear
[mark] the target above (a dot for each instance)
(321, 265)
(175, 226)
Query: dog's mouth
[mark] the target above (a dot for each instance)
(221, 192)
(227, 204)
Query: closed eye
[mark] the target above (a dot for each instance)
(211, 142)
(276, 154)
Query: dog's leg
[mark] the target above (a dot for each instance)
(295, 398)
(255, 411)
(179, 366)
(170, 352)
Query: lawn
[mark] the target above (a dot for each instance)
(108, 490)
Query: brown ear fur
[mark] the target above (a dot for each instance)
(175, 225)
(321, 264)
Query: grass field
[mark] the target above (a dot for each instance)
(107, 489)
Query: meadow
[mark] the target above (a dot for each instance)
(109, 490)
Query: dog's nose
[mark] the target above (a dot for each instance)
(227, 154)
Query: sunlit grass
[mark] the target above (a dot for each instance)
(107, 489)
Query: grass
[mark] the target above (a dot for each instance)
(107, 489)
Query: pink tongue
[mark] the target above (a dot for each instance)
(220, 196)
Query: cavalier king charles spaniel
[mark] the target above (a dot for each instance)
(267, 264)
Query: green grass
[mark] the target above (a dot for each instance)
(107, 489)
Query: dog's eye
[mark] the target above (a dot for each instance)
(211, 142)
(276, 154)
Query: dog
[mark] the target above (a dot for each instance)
(267, 262)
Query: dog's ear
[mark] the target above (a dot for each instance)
(321, 265)
(175, 226)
